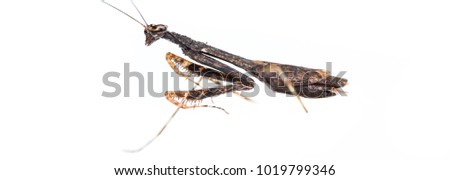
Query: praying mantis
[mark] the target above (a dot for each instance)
(282, 78)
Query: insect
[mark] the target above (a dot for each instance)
(282, 78)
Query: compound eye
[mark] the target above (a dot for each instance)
(159, 28)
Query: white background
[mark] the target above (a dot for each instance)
(393, 124)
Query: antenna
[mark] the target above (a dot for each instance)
(132, 2)
(126, 13)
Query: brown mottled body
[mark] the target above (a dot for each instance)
(307, 82)
(282, 78)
